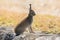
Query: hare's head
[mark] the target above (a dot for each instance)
(32, 13)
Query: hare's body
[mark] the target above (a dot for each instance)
(25, 23)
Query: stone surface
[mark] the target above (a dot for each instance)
(32, 36)
(6, 34)
(9, 35)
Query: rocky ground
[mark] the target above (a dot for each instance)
(8, 34)
(32, 36)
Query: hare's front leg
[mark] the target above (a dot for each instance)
(30, 29)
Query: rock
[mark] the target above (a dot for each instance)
(25, 36)
(35, 36)
(58, 38)
(9, 36)
(6, 34)
(41, 38)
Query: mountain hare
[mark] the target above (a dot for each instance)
(25, 23)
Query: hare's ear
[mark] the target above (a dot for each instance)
(30, 6)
